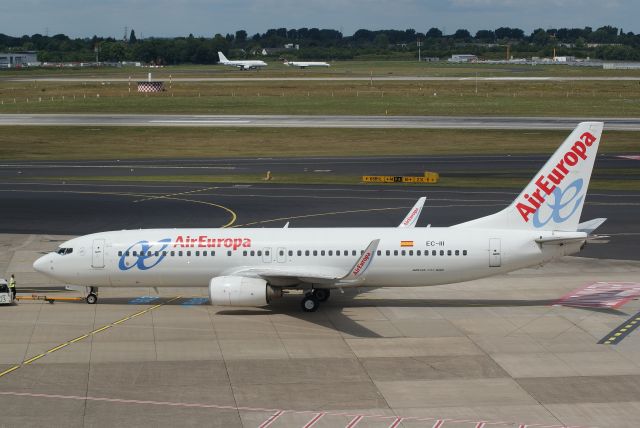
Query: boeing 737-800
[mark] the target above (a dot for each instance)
(249, 267)
(241, 64)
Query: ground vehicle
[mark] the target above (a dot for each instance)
(6, 296)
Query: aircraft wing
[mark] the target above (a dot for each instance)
(313, 274)
(412, 217)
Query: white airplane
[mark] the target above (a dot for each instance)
(250, 267)
(241, 64)
(305, 64)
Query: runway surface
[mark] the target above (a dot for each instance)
(291, 121)
(336, 79)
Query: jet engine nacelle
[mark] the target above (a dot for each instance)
(241, 291)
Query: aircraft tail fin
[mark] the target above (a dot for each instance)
(554, 198)
(222, 58)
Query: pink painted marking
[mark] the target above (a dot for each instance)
(354, 421)
(396, 422)
(271, 419)
(313, 420)
(438, 423)
(601, 295)
(522, 426)
(480, 424)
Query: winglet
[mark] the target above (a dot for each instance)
(286, 226)
(363, 262)
(412, 217)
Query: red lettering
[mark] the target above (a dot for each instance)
(544, 185)
(236, 243)
(246, 243)
(525, 210)
(579, 149)
(538, 197)
(220, 242)
(588, 138)
(562, 168)
(555, 176)
(228, 242)
(571, 158)
(202, 241)
(532, 201)
(178, 241)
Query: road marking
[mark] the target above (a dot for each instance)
(84, 336)
(313, 420)
(601, 295)
(354, 421)
(623, 330)
(271, 419)
(396, 422)
(438, 423)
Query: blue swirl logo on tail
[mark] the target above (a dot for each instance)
(561, 203)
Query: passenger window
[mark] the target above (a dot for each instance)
(322, 252)
(119, 253)
(281, 253)
(188, 253)
(179, 253)
(448, 252)
(213, 253)
(464, 252)
(457, 252)
(315, 252)
(388, 252)
(299, 252)
(418, 253)
(395, 252)
(229, 253)
(306, 253)
(361, 252)
(290, 253)
(197, 253)
(337, 252)
(353, 252)
(164, 254)
(403, 252)
(204, 253)
(173, 253)
(379, 252)
(331, 252)
(244, 253)
(135, 253)
(266, 253)
(259, 253)
(411, 252)
(126, 253)
(253, 253)
(442, 252)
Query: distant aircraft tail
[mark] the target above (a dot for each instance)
(554, 198)
(222, 58)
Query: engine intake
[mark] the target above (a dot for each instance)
(241, 291)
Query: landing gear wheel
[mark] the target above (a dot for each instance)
(310, 303)
(322, 294)
(92, 299)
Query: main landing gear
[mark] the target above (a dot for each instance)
(311, 300)
(92, 297)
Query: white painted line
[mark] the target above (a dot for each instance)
(199, 121)
(396, 422)
(438, 423)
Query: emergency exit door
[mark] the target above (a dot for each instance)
(97, 255)
(495, 258)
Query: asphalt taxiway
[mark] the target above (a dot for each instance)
(316, 121)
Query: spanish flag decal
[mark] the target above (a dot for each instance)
(406, 243)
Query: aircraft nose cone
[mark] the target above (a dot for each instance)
(42, 264)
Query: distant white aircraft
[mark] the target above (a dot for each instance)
(305, 64)
(249, 267)
(241, 64)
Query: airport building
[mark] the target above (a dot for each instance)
(18, 59)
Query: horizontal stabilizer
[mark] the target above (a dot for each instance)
(589, 226)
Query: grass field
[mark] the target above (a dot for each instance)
(484, 98)
(72, 143)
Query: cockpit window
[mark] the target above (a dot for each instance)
(64, 251)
